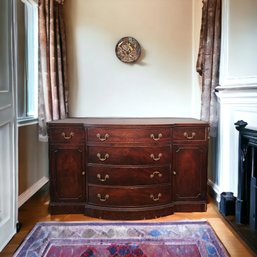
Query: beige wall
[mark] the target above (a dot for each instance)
(33, 158)
(162, 83)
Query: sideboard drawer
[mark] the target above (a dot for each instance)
(124, 176)
(128, 135)
(66, 134)
(190, 133)
(129, 155)
(129, 196)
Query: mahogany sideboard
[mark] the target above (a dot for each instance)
(127, 168)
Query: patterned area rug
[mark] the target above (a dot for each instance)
(129, 239)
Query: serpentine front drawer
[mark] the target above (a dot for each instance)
(129, 196)
(128, 155)
(128, 176)
(107, 135)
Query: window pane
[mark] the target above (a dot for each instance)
(21, 69)
(31, 57)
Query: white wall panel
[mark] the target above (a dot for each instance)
(5, 177)
(239, 35)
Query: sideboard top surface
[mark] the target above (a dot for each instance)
(131, 121)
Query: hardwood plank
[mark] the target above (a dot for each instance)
(36, 209)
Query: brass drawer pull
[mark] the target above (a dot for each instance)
(156, 138)
(156, 158)
(189, 137)
(67, 137)
(102, 138)
(102, 159)
(156, 199)
(103, 199)
(102, 179)
(157, 173)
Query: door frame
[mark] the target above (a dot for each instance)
(8, 122)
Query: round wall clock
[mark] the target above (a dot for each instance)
(128, 50)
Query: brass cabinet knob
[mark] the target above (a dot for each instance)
(174, 173)
(67, 137)
(156, 138)
(193, 134)
(157, 198)
(102, 138)
(83, 173)
(156, 158)
(157, 173)
(102, 179)
(102, 159)
(103, 199)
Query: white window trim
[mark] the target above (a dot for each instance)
(32, 117)
(27, 122)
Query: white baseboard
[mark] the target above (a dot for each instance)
(31, 191)
(215, 189)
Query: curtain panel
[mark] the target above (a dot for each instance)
(53, 84)
(208, 61)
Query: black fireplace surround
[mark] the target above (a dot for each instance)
(246, 206)
(241, 211)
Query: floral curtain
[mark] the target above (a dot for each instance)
(53, 85)
(208, 60)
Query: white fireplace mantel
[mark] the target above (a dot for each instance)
(235, 104)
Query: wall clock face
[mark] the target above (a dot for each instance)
(128, 50)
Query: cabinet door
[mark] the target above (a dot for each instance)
(189, 172)
(67, 173)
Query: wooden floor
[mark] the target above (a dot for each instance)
(36, 209)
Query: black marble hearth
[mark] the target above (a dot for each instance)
(245, 232)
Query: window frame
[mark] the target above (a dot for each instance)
(28, 107)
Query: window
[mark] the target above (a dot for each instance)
(27, 51)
